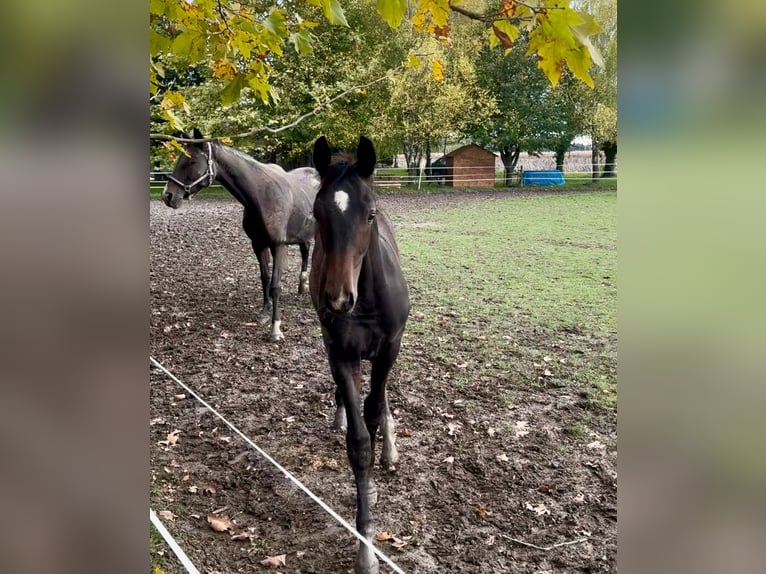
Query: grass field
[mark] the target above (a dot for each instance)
(518, 275)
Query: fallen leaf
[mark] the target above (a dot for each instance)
(406, 432)
(480, 511)
(547, 373)
(597, 445)
(491, 432)
(449, 459)
(274, 561)
(172, 438)
(383, 536)
(521, 428)
(579, 498)
(250, 324)
(400, 542)
(502, 457)
(289, 419)
(193, 489)
(544, 488)
(226, 439)
(179, 397)
(221, 522)
(547, 359)
(248, 534)
(459, 402)
(208, 489)
(167, 515)
(453, 427)
(539, 509)
(185, 478)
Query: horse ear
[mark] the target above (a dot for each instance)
(322, 155)
(365, 157)
(197, 134)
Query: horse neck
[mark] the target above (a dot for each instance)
(230, 166)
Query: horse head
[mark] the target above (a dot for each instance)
(344, 210)
(193, 171)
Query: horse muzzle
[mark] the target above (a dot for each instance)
(342, 304)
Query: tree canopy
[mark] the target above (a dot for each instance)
(239, 46)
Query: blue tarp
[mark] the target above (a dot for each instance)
(542, 177)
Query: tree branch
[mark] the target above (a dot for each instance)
(255, 131)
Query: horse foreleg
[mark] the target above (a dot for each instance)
(278, 255)
(376, 411)
(358, 448)
(264, 261)
(303, 283)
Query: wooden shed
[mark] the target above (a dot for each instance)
(470, 166)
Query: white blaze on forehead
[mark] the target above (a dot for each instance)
(341, 200)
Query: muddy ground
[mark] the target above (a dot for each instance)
(474, 471)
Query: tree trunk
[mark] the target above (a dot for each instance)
(412, 155)
(428, 160)
(510, 156)
(561, 149)
(594, 160)
(610, 155)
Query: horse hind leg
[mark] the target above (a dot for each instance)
(303, 283)
(278, 254)
(263, 265)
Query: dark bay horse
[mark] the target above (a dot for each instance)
(361, 297)
(278, 208)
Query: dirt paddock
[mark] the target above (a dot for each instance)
(474, 472)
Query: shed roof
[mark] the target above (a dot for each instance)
(460, 150)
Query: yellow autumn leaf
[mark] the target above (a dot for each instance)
(438, 70)
(412, 61)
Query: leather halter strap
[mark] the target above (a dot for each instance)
(210, 174)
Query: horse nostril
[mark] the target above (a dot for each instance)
(349, 302)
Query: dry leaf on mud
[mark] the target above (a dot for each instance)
(480, 511)
(521, 428)
(383, 536)
(400, 542)
(193, 489)
(547, 373)
(208, 489)
(453, 427)
(491, 432)
(449, 459)
(547, 359)
(172, 438)
(405, 432)
(220, 522)
(179, 397)
(248, 534)
(539, 509)
(274, 561)
(597, 445)
(502, 457)
(167, 515)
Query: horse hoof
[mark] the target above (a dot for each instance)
(277, 337)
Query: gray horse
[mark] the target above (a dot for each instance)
(278, 208)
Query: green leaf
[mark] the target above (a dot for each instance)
(158, 44)
(392, 11)
(334, 12)
(302, 42)
(230, 92)
(578, 62)
(157, 7)
(275, 23)
(182, 44)
(413, 61)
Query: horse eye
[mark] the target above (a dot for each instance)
(371, 216)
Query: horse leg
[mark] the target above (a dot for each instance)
(303, 284)
(358, 448)
(340, 422)
(278, 255)
(262, 254)
(376, 411)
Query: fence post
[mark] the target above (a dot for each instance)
(420, 177)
